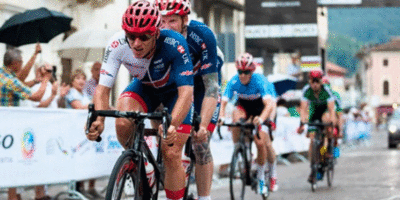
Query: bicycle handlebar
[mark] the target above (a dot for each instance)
(242, 123)
(93, 114)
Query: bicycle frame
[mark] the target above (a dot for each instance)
(245, 128)
(139, 145)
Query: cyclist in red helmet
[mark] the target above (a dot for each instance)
(162, 71)
(339, 116)
(255, 101)
(319, 100)
(207, 77)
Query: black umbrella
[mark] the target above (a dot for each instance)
(38, 25)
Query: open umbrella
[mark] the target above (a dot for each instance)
(86, 45)
(31, 26)
(282, 82)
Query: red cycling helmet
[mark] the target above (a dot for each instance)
(171, 7)
(325, 80)
(245, 62)
(316, 74)
(142, 17)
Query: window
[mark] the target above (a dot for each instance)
(386, 88)
(385, 62)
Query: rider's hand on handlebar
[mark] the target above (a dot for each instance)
(171, 134)
(300, 130)
(95, 130)
(201, 135)
(220, 121)
(257, 121)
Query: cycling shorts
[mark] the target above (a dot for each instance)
(316, 112)
(150, 98)
(251, 108)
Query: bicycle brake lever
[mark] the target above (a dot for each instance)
(219, 132)
(92, 116)
(166, 122)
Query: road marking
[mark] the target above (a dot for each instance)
(371, 153)
(392, 198)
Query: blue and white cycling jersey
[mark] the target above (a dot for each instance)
(170, 64)
(203, 51)
(203, 48)
(258, 88)
(250, 97)
(155, 79)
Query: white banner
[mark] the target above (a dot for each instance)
(286, 138)
(281, 31)
(48, 146)
(43, 146)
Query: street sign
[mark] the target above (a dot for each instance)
(281, 31)
(274, 4)
(339, 2)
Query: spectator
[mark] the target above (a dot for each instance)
(293, 69)
(281, 109)
(77, 98)
(50, 96)
(91, 85)
(12, 90)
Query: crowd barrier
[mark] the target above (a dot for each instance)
(286, 140)
(356, 130)
(48, 146)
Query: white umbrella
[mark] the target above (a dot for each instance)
(86, 45)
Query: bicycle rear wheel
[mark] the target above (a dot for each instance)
(127, 180)
(330, 171)
(237, 175)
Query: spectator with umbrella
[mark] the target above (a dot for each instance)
(12, 90)
(32, 26)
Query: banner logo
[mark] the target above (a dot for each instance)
(28, 145)
(7, 141)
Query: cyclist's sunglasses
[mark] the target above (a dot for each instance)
(142, 37)
(315, 80)
(246, 72)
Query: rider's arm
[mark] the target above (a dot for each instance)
(181, 108)
(210, 98)
(182, 75)
(268, 108)
(331, 109)
(209, 74)
(222, 111)
(303, 111)
(101, 99)
(228, 94)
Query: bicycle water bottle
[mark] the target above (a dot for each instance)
(149, 172)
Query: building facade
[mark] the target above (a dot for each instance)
(379, 73)
(225, 18)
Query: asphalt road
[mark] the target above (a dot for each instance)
(365, 171)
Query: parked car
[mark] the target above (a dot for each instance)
(394, 129)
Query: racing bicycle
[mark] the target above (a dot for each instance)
(241, 174)
(321, 162)
(128, 178)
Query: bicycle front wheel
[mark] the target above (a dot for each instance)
(237, 175)
(126, 180)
